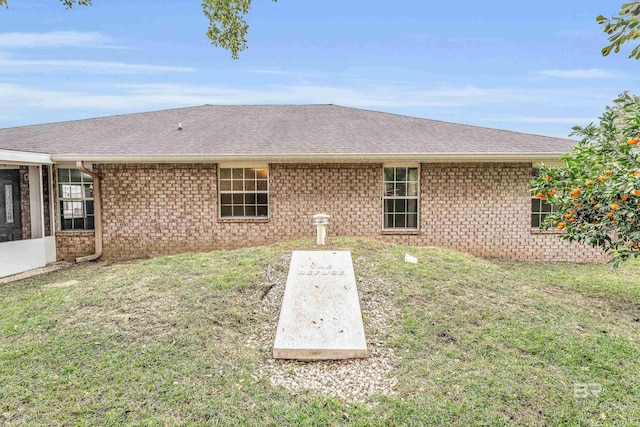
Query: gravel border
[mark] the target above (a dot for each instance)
(349, 379)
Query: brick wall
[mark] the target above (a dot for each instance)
(73, 244)
(482, 209)
(158, 209)
(485, 209)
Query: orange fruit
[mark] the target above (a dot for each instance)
(593, 222)
(573, 211)
(602, 178)
(633, 141)
(597, 206)
(608, 172)
(635, 192)
(560, 225)
(624, 197)
(588, 183)
(615, 207)
(592, 200)
(610, 214)
(575, 192)
(572, 220)
(567, 216)
(635, 173)
(547, 178)
(553, 191)
(581, 227)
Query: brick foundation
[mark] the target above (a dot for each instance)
(73, 244)
(480, 208)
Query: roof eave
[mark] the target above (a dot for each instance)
(312, 158)
(12, 157)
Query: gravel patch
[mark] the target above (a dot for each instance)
(349, 379)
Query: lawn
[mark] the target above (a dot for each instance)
(185, 340)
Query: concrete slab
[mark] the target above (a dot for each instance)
(320, 316)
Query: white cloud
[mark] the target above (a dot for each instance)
(271, 72)
(130, 97)
(288, 73)
(389, 96)
(10, 41)
(40, 66)
(557, 120)
(545, 120)
(589, 73)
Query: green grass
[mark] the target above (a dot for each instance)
(163, 342)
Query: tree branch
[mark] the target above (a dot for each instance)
(622, 29)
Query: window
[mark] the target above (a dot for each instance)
(540, 208)
(244, 192)
(400, 198)
(75, 195)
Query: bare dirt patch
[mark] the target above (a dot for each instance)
(36, 272)
(64, 284)
(136, 310)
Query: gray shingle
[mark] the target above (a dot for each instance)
(270, 130)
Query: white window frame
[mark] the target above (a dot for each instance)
(416, 197)
(233, 192)
(82, 199)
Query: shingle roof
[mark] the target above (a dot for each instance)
(270, 130)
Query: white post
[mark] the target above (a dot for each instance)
(321, 221)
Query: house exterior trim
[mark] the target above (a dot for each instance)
(316, 158)
(10, 157)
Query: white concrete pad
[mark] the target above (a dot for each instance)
(320, 316)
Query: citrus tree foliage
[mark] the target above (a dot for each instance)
(597, 190)
(227, 26)
(622, 28)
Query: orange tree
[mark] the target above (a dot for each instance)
(597, 190)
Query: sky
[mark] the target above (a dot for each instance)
(531, 67)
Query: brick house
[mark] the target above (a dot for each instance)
(199, 178)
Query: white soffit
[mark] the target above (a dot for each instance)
(263, 159)
(24, 157)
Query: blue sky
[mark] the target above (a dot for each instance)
(531, 67)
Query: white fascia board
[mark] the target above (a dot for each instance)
(10, 157)
(315, 158)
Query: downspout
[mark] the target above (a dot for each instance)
(97, 207)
